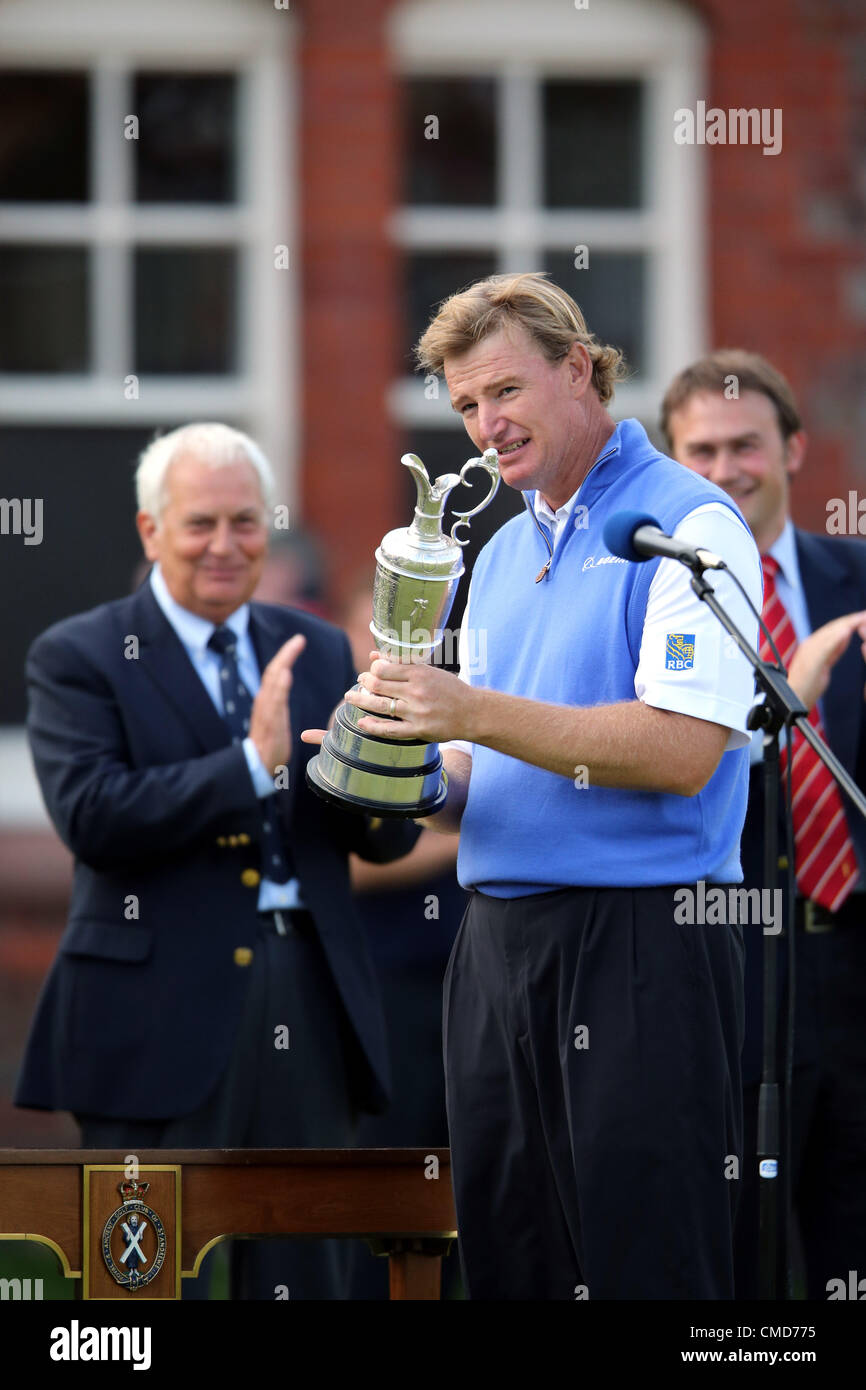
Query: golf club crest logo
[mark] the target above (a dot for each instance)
(133, 1239)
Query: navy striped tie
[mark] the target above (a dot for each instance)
(237, 711)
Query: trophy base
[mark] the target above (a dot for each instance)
(377, 776)
(360, 805)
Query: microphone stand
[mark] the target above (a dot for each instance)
(781, 707)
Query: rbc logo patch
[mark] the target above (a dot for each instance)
(679, 651)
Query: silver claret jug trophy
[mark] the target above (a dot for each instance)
(418, 569)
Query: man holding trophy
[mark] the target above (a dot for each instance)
(592, 1038)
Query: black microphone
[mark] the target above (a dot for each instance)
(638, 536)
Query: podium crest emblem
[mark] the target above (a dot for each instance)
(133, 1238)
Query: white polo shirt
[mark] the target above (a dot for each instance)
(724, 691)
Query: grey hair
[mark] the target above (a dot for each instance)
(213, 444)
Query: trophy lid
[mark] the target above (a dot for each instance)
(424, 548)
(432, 497)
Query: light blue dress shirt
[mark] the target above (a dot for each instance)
(195, 633)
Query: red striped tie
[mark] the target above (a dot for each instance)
(826, 864)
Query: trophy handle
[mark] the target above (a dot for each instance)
(489, 461)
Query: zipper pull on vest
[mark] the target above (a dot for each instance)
(542, 572)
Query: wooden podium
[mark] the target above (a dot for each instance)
(149, 1219)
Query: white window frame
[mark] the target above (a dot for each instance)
(112, 41)
(659, 44)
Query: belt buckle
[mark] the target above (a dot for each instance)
(811, 922)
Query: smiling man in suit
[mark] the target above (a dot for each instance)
(733, 418)
(212, 987)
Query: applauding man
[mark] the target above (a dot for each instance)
(212, 988)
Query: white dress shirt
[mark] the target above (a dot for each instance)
(194, 633)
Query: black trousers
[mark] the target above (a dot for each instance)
(828, 1113)
(592, 1064)
(269, 1097)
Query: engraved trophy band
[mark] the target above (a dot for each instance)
(418, 569)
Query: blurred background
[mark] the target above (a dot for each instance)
(246, 211)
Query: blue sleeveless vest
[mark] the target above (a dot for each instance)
(574, 638)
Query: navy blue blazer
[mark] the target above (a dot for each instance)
(833, 572)
(139, 1012)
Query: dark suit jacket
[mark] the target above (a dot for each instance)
(140, 1010)
(833, 572)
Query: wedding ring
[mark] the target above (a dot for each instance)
(393, 708)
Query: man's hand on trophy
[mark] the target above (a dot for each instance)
(316, 735)
(428, 703)
(269, 720)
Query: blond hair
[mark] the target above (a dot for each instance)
(529, 300)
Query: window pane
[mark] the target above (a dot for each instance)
(611, 292)
(186, 147)
(185, 310)
(89, 549)
(457, 167)
(431, 277)
(592, 144)
(43, 137)
(43, 319)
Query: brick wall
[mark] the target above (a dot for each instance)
(787, 267)
(787, 256)
(352, 484)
